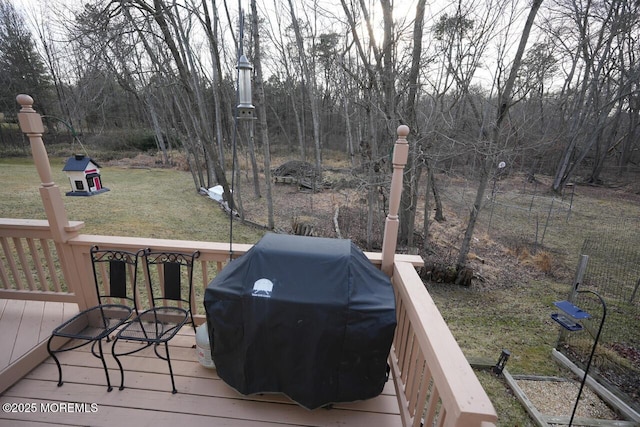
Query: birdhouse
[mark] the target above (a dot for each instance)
(84, 176)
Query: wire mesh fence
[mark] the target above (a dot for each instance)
(517, 212)
(601, 222)
(613, 272)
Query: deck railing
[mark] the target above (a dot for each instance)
(31, 266)
(29, 263)
(434, 383)
(212, 259)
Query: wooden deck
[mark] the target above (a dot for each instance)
(202, 399)
(433, 380)
(25, 327)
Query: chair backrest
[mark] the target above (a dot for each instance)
(169, 278)
(115, 275)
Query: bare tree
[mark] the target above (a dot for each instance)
(262, 114)
(172, 58)
(411, 178)
(596, 82)
(376, 81)
(504, 103)
(284, 63)
(307, 65)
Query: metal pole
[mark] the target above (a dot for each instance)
(548, 218)
(573, 192)
(493, 202)
(593, 350)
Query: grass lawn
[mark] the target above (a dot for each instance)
(516, 319)
(511, 308)
(157, 203)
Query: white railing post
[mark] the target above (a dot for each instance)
(390, 239)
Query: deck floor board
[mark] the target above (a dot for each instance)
(11, 319)
(53, 315)
(27, 324)
(28, 334)
(202, 398)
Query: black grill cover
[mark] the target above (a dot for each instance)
(305, 316)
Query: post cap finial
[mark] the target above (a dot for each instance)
(403, 131)
(25, 101)
(29, 120)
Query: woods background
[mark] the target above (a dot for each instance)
(547, 88)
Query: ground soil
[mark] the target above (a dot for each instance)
(557, 398)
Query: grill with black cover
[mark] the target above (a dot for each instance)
(309, 317)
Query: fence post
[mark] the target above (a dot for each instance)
(577, 281)
(390, 238)
(61, 229)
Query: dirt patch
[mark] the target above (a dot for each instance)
(144, 160)
(557, 398)
(340, 208)
(625, 382)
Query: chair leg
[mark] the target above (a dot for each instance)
(193, 324)
(113, 353)
(173, 384)
(53, 355)
(100, 356)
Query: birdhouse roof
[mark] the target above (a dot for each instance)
(78, 163)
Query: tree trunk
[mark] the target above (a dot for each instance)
(439, 215)
(411, 177)
(158, 132)
(473, 218)
(347, 119)
(631, 136)
(427, 210)
(503, 108)
(211, 29)
(414, 201)
(262, 114)
(252, 157)
(308, 71)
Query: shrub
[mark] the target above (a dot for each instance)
(119, 141)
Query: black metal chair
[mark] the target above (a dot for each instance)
(114, 275)
(169, 282)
